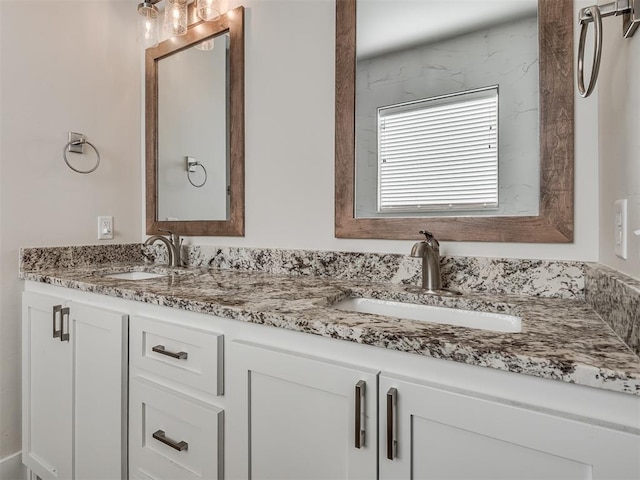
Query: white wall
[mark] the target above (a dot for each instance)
(290, 143)
(619, 125)
(65, 65)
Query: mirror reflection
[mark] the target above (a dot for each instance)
(447, 108)
(193, 143)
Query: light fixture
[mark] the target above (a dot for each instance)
(148, 23)
(175, 17)
(208, 10)
(205, 46)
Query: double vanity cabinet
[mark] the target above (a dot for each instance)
(135, 390)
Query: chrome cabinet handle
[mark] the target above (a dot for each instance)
(161, 437)
(361, 388)
(64, 337)
(392, 441)
(160, 349)
(56, 311)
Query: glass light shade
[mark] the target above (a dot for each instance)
(175, 17)
(208, 10)
(206, 45)
(148, 28)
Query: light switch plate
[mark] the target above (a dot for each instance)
(620, 229)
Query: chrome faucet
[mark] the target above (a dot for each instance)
(429, 251)
(173, 244)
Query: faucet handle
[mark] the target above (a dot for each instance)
(430, 239)
(174, 237)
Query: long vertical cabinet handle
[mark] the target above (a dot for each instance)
(64, 337)
(56, 313)
(361, 390)
(392, 440)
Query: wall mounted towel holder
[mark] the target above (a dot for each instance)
(630, 11)
(191, 164)
(76, 144)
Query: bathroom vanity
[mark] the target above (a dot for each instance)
(241, 374)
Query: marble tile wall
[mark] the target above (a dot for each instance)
(616, 298)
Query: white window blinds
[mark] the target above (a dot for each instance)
(439, 153)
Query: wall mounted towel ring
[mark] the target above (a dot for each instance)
(192, 163)
(630, 11)
(596, 18)
(76, 145)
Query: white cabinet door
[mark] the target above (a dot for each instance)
(47, 415)
(99, 340)
(74, 389)
(298, 417)
(433, 433)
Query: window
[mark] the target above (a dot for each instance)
(439, 153)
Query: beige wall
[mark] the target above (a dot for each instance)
(65, 65)
(619, 131)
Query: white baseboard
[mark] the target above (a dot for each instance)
(11, 468)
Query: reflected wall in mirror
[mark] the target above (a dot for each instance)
(460, 125)
(195, 130)
(193, 160)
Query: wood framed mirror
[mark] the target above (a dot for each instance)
(194, 165)
(553, 222)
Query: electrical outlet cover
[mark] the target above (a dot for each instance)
(105, 228)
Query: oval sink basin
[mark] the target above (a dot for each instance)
(497, 322)
(135, 275)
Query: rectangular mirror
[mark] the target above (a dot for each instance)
(461, 125)
(195, 130)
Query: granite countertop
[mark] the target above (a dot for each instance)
(561, 339)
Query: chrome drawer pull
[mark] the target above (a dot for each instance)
(56, 311)
(180, 446)
(160, 349)
(64, 312)
(392, 441)
(360, 413)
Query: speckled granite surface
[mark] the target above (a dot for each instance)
(39, 258)
(616, 298)
(544, 278)
(561, 339)
(555, 279)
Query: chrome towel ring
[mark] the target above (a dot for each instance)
(594, 13)
(75, 145)
(192, 163)
(630, 11)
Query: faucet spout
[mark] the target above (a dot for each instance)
(429, 251)
(173, 247)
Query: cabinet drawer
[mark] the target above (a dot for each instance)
(190, 356)
(160, 418)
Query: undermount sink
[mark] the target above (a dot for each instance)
(498, 322)
(135, 275)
